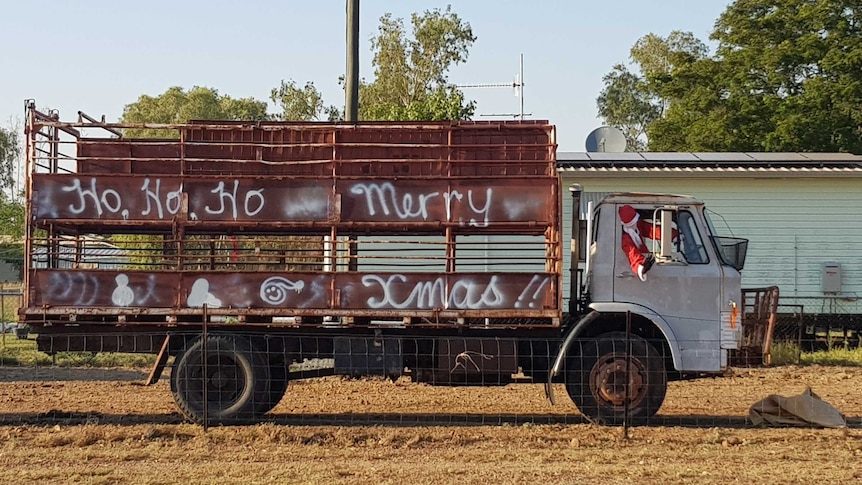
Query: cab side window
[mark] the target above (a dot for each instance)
(690, 244)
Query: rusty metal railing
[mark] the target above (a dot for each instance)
(758, 323)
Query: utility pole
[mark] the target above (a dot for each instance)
(351, 81)
(351, 98)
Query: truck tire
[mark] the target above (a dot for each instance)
(596, 377)
(277, 387)
(237, 381)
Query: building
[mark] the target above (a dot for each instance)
(802, 214)
(86, 253)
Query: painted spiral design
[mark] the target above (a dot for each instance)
(275, 288)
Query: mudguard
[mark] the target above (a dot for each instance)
(598, 309)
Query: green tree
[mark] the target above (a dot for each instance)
(10, 154)
(177, 105)
(626, 103)
(12, 232)
(632, 101)
(799, 63)
(701, 118)
(658, 56)
(11, 217)
(301, 104)
(11, 203)
(786, 76)
(410, 72)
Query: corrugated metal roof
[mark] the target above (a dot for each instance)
(706, 162)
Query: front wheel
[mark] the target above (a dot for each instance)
(597, 372)
(226, 386)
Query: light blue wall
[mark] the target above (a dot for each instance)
(793, 225)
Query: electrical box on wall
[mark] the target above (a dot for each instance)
(830, 277)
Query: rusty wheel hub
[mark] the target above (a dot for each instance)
(608, 381)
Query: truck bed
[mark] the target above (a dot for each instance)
(294, 224)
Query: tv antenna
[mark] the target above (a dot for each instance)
(517, 85)
(606, 139)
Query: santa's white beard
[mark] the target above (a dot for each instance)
(634, 234)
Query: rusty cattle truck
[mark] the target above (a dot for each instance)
(241, 253)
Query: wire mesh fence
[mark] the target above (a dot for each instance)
(333, 376)
(821, 323)
(338, 375)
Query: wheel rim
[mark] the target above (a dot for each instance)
(608, 381)
(224, 383)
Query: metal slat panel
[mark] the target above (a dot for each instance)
(232, 215)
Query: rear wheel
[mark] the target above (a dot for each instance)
(277, 387)
(234, 377)
(597, 373)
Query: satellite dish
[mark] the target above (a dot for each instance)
(606, 139)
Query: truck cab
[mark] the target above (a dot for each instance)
(692, 290)
(660, 297)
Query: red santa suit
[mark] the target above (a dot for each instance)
(633, 244)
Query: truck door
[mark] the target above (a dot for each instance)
(685, 289)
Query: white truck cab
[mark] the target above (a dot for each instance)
(677, 292)
(691, 292)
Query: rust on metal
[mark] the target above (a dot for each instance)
(469, 203)
(760, 307)
(160, 363)
(268, 223)
(292, 292)
(115, 198)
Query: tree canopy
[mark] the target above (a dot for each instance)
(11, 205)
(625, 102)
(634, 102)
(11, 229)
(301, 103)
(410, 83)
(176, 105)
(10, 153)
(786, 76)
(410, 71)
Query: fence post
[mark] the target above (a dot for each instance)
(3, 311)
(204, 365)
(628, 397)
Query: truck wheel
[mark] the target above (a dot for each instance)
(596, 379)
(237, 380)
(277, 387)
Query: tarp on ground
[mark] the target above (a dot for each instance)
(806, 410)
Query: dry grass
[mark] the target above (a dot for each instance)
(269, 453)
(122, 432)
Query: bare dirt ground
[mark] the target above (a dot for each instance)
(55, 427)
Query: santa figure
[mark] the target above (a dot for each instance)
(635, 230)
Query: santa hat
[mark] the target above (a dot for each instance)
(628, 215)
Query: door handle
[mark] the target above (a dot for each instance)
(626, 274)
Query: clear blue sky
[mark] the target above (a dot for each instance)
(98, 56)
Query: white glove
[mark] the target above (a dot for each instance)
(641, 274)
